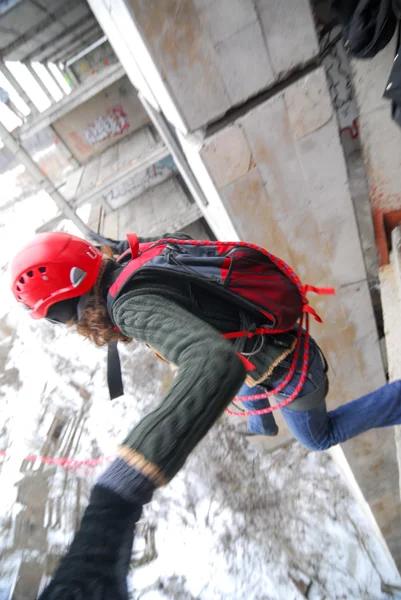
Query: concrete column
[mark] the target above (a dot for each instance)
(390, 280)
(380, 139)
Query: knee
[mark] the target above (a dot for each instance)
(315, 445)
(396, 386)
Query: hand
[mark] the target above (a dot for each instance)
(97, 563)
(92, 589)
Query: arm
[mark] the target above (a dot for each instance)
(210, 373)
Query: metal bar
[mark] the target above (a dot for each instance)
(42, 181)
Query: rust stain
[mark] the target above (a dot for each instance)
(382, 202)
(377, 466)
(380, 234)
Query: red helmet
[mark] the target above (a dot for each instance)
(53, 267)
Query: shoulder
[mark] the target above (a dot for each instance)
(137, 311)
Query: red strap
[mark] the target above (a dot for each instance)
(308, 309)
(247, 363)
(250, 334)
(133, 244)
(236, 334)
(318, 290)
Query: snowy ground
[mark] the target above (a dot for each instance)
(234, 524)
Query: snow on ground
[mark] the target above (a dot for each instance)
(234, 523)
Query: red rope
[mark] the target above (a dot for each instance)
(69, 464)
(286, 380)
(303, 289)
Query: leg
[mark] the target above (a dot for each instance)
(318, 429)
(258, 424)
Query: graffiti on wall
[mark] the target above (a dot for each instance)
(112, 124)
(338, 74)
(94, 62)
(138, 183)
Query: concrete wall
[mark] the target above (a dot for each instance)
(280, 173)
(101, 121)
(209, 56)
(381, 139)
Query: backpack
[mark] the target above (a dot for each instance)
(245, 274)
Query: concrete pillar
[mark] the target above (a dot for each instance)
(380, 138)
(390, 280)
(265, 150)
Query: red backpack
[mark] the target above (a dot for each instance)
(247, 275)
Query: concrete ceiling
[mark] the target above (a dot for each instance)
(43, 30)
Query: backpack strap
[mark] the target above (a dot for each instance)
(114, 376)
(133, 244)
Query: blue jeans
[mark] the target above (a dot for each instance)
(312, 425)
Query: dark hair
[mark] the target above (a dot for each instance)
(95, 323)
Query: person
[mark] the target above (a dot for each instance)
(66, 280)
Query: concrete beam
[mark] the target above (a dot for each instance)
(83, 41)
(99, 192)
(69, 35)
(196, 56)
(39, 82)
(10, 77)
(39, 27)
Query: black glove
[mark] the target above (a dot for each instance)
(97, 563)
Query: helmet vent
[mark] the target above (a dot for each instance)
(21, 280)
(42, 269)
(30, 273)
(18, 288)
(77, 275)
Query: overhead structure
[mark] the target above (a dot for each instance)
(110, 155)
